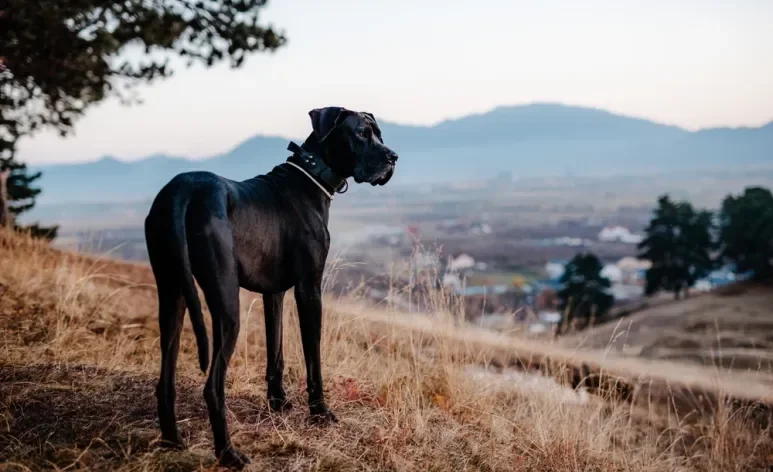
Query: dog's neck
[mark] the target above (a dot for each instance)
(308, 160)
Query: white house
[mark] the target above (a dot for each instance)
(702, 285)
(482, 228)
(463, 262)
(629, 263)
(626, 292)
(613, 273)
(554, 269)
(551, 317)
(619, 234)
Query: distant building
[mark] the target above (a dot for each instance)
(480, 228)
(461, 263)
(703, 285)
(484, 290)
(719, 278)
(555, 269)
(633, 264)
(459, 227)
(619, 234)
(613, 273)
(564, 241)
(551, 317)
(623, 292)
(633, 270)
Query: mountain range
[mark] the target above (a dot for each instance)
(537, 140)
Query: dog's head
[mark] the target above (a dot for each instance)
(351, 144)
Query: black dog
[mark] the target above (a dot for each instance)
(266, 234)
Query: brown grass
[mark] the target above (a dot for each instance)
(728, 329)
(78, 364)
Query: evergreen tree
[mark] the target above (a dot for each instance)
(678, 243)
(699, 244)
(21, 196)
(58, 58)
(746, 231)
(584, 291)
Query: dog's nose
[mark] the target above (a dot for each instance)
(392, 157)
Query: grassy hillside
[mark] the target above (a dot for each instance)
(731, 328)
(78, 365)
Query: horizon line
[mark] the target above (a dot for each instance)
(164, 154)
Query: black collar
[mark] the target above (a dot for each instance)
(317, 169)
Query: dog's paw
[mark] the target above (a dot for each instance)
(279, 403)
(322, 418)
(233, 459)
(176, 442)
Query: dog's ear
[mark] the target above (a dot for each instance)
(374, 124)
(325, 120)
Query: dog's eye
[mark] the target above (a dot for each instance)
(364, 132)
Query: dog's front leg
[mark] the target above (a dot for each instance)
(275, 364)
(308, 296)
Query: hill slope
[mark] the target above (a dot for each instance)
(731, 328)
(531, 140)
(79, 360)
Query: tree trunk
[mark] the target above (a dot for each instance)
(676, 294)
(5, 215)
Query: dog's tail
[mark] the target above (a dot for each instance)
(190, 294)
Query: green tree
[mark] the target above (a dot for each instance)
(584, 291)
(678, 243)
(58, 58)
(746, 231)
(21, 196)
(700, 244)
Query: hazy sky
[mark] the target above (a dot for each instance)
(695, 63)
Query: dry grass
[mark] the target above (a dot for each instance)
(731, 328)
(78, 364)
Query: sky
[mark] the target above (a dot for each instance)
(692, 63)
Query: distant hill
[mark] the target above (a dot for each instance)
(111, 180)
(531, 140)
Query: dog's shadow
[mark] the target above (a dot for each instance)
(84, 417)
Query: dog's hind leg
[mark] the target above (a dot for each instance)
(214, 266)
(273, 309)
(171, 309)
